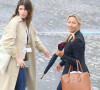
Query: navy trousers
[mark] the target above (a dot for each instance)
(21, 80)
(59, 86)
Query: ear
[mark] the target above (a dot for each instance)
(79, 25)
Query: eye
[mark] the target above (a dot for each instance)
(20, 8)
(69, 22)
(74, 23)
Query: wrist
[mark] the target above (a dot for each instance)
(45, 50)
(17, 57)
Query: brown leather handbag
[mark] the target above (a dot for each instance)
(76, 81)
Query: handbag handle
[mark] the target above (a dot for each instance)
(71, 67)
(78, 65)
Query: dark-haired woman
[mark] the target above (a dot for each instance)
(19, 38)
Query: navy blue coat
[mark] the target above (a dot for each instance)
(72, 51)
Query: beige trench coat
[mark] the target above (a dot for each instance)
(14, 41)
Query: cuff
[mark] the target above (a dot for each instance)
(62, 58)
(43, 49)
(15, 55)
(15, 52)
(62, 63)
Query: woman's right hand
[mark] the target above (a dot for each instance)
(59, 53)
(20, 62)
(59, 68)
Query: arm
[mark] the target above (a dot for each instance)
(38, 43)
(9, 38)
(62, 63)
(60, 54)
(78, 52)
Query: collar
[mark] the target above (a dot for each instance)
(18, 18)
(74, 34)
(76, 31)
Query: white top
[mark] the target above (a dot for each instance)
(25, 46)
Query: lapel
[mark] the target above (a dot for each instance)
(77, 33)
(29, 37)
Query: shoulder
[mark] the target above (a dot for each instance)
(32, 27)
(79, 42)
(16, 19)
(79, 37)
(14, 22)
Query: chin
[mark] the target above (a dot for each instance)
(23, 17)
(70, 31)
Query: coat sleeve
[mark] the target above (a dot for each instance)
(62, 63)
(78, 53)
(9, 38)
(38, 43)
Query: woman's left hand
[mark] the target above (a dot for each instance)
(59, 68)
(46, 54)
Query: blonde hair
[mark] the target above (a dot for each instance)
(78, 18)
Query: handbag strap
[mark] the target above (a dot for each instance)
(71, 67)
(78, 65)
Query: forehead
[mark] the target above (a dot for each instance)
(72, 18)
(21, 6)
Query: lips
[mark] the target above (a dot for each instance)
(70, 28)
(23, 15)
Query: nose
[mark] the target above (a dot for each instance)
(23, 11)
(70, 24)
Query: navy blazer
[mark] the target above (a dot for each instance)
(72, 51)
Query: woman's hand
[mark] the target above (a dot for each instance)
(46, 54)
(20, 62)
(59, 68)
(59, 53)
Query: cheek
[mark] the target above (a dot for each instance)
(74, 26)
(68, 25)
(77, 27)
(26, 13)
(20, 12)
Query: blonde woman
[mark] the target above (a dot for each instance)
(73, 50)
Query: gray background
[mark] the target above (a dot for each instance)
(50, 23)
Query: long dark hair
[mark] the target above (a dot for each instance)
(28, 6)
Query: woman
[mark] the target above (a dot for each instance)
(20, 38)
(73, 50)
